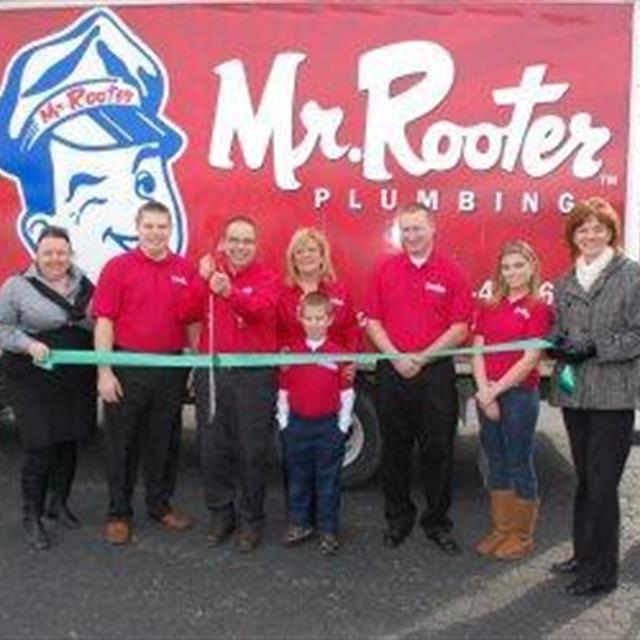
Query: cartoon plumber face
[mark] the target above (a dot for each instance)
(97, 194)
(89, 145)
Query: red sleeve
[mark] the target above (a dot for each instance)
(346, 381)
(480, 319)
(283, 378)
(192, 304)
(349, 334)
(261, 301)
(462, 299)
(541, 320)
(373, 303)
(285, 371)
(107, 298)
(284, 317)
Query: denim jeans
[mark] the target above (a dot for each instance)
(313, 457)
(508, 443)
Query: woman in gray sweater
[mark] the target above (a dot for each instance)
(42, 309)
(597, 332)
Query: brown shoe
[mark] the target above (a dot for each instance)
(248, 538)
(520, 542)
(219, 530)
(501, 510)
(117, 531)
(173, 520)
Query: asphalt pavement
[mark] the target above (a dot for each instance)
(171, 586)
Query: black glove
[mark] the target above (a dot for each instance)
(576, 352)
(571, 351)
(555, 350)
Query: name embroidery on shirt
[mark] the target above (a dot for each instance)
(435, 287)
(337, 302)
(521, 311)
(332, 366)
(181, 280)
(247, 290)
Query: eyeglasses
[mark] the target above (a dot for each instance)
(247, 242)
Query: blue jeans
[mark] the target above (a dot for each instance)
(508, 443)
(313, 456)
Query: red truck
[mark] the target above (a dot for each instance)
(496, 116)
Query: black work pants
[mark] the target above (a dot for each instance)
(45, 469)
(143, 425)
(235, 442)
(422, 409)
(600, 443)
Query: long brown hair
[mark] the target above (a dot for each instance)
(521, 248)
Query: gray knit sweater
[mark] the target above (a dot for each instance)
(24, 311)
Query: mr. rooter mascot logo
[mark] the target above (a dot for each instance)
(82, 132)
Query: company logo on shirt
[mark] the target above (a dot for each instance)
(521, 311)
(247, 290)
(435, 287)
(332, 366)
(337, 302)
(181, 280)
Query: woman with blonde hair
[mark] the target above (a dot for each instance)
(309, 269)
(508, 399)
(596, 331)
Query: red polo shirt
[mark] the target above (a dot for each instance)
(140, 296)
(314, 389)
(245, 322)
(527, 317)
(416, 305)
(344, 330)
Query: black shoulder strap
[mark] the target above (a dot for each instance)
(76, 311)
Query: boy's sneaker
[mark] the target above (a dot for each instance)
(329, 544)
(295, 534)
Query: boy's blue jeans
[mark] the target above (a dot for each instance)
(313, 452)
(508, 443)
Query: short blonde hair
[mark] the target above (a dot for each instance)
(315, 300)
(521, 248)
(302, 237)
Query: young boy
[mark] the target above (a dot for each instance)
(315, 405)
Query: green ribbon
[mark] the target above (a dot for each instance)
(58, 357)
(567, 379)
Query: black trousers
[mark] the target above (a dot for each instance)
(143, 425)
(45, 469)
(600, 443)
(422, 409)
(235, 443)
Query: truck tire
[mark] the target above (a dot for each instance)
(364, 444)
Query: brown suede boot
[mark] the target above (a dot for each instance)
(520, 541)
(500, 502)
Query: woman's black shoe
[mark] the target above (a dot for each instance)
(585, 588)
(34, 534)
(66, 518)
(393, 538)
(565, 567)
(59, 512)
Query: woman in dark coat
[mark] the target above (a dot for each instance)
(46, 308)
(597, 332)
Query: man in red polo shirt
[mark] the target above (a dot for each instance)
(419, 302)
(241, 294)
(136, 307)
